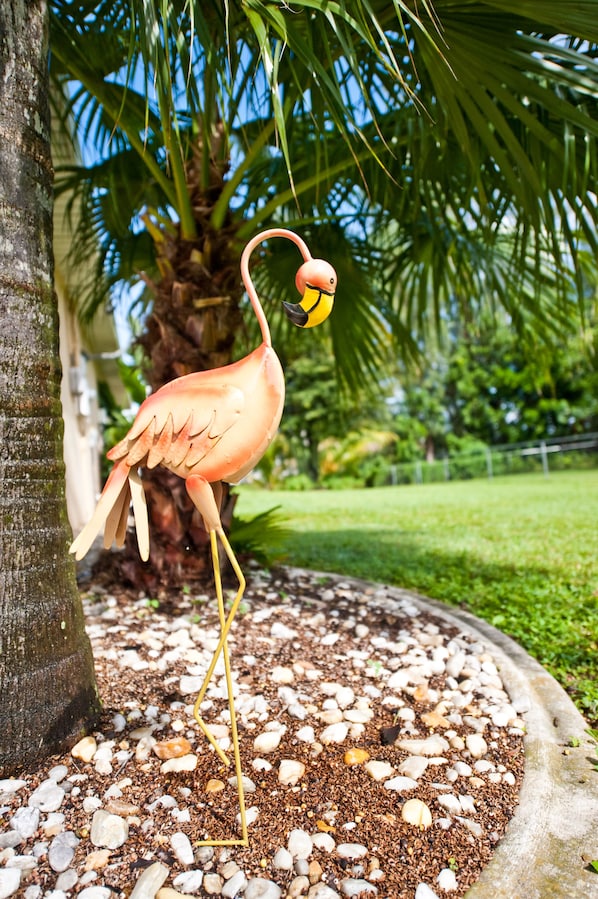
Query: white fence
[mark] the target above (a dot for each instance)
(552, 454)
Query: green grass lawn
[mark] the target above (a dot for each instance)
(520, 552)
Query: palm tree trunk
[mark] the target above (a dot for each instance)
(47, 686)
(192, 327)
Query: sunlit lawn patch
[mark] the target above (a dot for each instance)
(518, 551)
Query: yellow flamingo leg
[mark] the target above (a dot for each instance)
(203, 497)
(223, 647)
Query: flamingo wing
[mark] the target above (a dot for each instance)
(180, 424)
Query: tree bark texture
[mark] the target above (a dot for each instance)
(47, 685)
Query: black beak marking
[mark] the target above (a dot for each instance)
(296, 314)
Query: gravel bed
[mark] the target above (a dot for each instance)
(380, 751)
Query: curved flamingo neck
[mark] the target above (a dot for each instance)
(251, 291)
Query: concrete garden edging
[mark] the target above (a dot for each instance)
(553, 835)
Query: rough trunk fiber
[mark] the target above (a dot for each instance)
(192, 327)
(47, 686)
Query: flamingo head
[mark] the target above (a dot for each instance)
(316, 281)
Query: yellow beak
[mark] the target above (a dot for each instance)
(315, 307)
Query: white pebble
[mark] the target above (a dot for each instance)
(25, 821)
(299, 844)
(423, 891)
(351, 850)
(476, 745)
(10, 880)
(189, 881)
(306, 734)
(183, 763)
(282, 675)
(149, 882)
(334, 733)
(267, 741)
(182, 849)
(258, 888)
(450, 803)
(323, 841)
(108, 831)
(48, 797)
(447, 880)
(352, 886)
(283, 860)
(62, 850)
(290, 772)
(379, 770)
(95, 892)
(414, 766)
(400, 784)
(434, 745)
(12, 785)
(234, 885)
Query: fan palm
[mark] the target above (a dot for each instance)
(445, 150)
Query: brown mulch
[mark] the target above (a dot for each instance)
(329, 797)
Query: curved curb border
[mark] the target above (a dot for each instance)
(553, 834)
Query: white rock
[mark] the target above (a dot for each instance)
(251, 815)
(183, 763)
(12, 785)
(190, 684)
(455, 664)
(95, 892)
(306, 734)
(423, 891)
(108, 831)
(322, 891)
(25, 821)
(283, 860)
(62, 850)
(358, 716)
(234, 885)
(188, 881)
(323, 841)
(467, 804)
(58, 773)
(345, 697)
(282, 675)
(67, 880)
(432, 745)
(476, 745)
(10, 880)
(290, 772)
(451, 803)
(281, 631)
(447, 880)
(413, 767)
(182, 849)
(248, 784)
(259, 888)
(48, 797)
(334, 733)
(400, 784)
(351, 850)
(379, 770)
(267, 741)
(299, 844)
(352, 886)
(150, 881)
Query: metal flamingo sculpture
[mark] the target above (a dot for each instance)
(211, 427)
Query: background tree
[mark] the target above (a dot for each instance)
(47, 689)
(445, 155)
